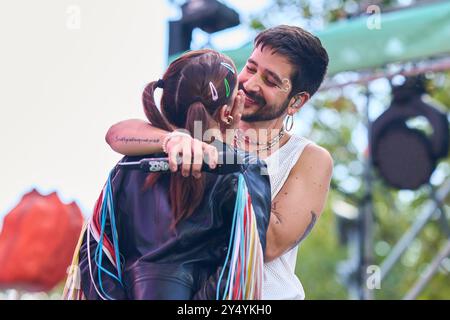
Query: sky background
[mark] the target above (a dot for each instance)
(68, 71)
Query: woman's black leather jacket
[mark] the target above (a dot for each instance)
(162, 262)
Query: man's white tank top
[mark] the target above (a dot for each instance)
(280, 281)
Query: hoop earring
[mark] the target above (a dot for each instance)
(289, 123)
(229, 120)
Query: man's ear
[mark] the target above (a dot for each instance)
(299, 100)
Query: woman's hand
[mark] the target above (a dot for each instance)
(237, 109)
(190, 153)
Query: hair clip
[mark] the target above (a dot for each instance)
(214, 93)
(227, 87)
(228, 66)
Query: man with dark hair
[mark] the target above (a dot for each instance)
(286, 67)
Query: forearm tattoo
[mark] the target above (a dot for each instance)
(127, 140)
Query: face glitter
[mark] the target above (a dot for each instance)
(286, 85)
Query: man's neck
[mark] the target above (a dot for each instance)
(264, 129)
(263, 132)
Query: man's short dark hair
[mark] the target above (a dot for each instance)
(303, 50)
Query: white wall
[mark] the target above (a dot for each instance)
(62, 87)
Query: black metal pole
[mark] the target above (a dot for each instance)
(366, 216)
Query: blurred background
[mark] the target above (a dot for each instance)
(70, 69)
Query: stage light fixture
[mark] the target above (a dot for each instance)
(406, 157)
(209, 15)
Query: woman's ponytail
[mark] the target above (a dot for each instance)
(151, 110)
(197, 114)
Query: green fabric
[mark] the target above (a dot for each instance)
(405, 35)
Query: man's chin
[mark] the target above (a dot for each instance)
(250, 116)
(249, 110)
(251, 107)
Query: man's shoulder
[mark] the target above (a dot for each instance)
(314, 160)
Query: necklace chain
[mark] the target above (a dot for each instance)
(240, 138)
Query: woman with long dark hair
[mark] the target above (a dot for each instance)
(166, 236)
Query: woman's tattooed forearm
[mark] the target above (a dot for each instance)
(127, 140)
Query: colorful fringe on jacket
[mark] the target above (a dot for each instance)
(244, 260)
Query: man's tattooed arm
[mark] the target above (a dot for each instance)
(308, 228)
(276, 216)
(277, 219)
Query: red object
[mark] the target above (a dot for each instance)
(37, 242)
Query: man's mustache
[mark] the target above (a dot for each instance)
(254, 96)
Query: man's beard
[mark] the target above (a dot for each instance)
(265, 112)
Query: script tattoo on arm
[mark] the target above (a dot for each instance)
(127, 140)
